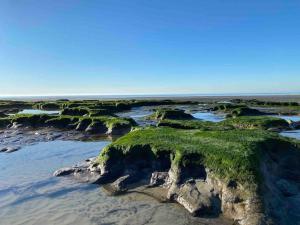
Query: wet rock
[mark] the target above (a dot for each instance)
(158, 178)
(121, 184)
(53, 136)
(83, 124)
(193, 200)
(16, 125)
(10, 149)
(295, 125)
(64, 171)
(96, 128)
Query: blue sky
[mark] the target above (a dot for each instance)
(149, 46)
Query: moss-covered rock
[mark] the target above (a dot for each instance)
(32, 120)
(232, 155)
(257, 122)
(47, 106)
(194, 124)
(172, 114)
(74, 111)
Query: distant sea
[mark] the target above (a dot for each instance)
(138, 96)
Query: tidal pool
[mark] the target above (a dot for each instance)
(208, 116)
(292, 118)
(291, 134)
(30, 195)
(38, 111)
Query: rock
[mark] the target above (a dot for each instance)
(96, 128)
(287, 188)
(53, 136)
(193, 200)
(83, 124)
(3, 149)
(158, 178)
(121, 184)
(16, 125)
(10, 149)
(64, 171)
(119, 129)
(295, 125)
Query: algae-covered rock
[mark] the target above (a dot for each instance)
(161, 114)
(74, 111)
(210, 172)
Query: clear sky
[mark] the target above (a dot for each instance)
(149, 46)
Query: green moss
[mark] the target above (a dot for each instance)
(233, 154)
(33, 120)
(162, 113)
(256, 122)
(194, 124)
(47, 106)
(75, 111)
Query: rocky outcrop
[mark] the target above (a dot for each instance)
(201, 195)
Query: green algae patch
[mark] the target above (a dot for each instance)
(236, 110)
(194, 124)
(242, 122)
(173, 114)
(96, 123)
(256, 122)
(231, 155)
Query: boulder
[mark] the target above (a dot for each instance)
(190, 197)
(121, 184)
(64, 171)
(10, 149)
(96, 128)
(158, 178)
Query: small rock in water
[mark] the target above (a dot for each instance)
(64, 171)
(10, 149)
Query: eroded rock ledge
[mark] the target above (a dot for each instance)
(235, 173)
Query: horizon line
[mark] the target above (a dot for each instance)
(154, 94)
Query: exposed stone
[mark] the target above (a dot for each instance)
(10, 149)
(121, 184)
(193, 200)
(64, 171)
(158, 178)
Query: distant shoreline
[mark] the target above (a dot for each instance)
(196, 97)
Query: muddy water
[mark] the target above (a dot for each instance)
(29, 194)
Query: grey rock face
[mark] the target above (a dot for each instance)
(10, 149)
(158, 178)
(64, 171)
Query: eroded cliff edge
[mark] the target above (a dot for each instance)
(246, 175)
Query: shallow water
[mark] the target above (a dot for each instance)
(29, 194)
(292, 118)
(291, 134)
(139, 114)
(38, 111)
(208, 116)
